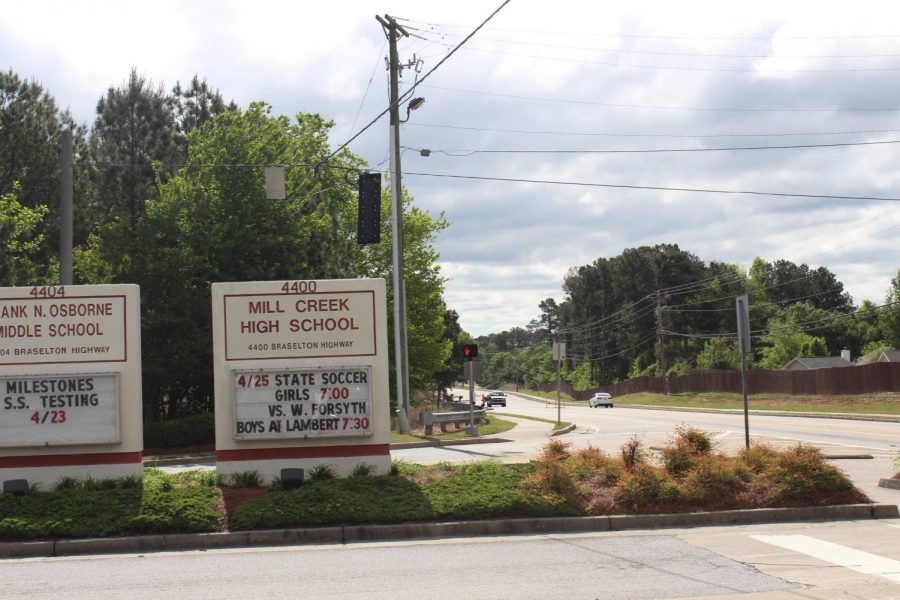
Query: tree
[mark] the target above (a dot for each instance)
(889, 318)
(20, 262)
(453, 365)
(195, 106)
(547, 323)
(135, 127)
(786, 283)
(30, 129)
(213, 223)
(786, 340)
(719, 353)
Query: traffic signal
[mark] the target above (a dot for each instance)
(470, 351)
(368, 229)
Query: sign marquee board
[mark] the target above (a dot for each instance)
(57, 410)
(70, 382)
(302, 403)
(301, 375)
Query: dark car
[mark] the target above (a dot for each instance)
(496, 398)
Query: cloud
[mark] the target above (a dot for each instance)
(590, 76)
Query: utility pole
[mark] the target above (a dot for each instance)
(393, 31)
(66, 210)
(661, 341)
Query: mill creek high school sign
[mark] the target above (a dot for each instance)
(301, 375)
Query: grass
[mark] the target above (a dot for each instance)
(161, 503)
(556, 425)
(563, 397)
(887, 403)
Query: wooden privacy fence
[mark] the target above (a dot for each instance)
(865, 379)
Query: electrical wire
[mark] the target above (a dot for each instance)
(409, 92)
(651, 135)
(467, 153)
(650, 187)
(368, 86)
(623, 65)
(655, 52)
(570, 34)
(660, 107)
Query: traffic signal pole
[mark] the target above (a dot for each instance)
(471, 429)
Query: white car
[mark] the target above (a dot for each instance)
(600, 399)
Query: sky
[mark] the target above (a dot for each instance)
(559, 133)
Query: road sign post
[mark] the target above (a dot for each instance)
(743, 327)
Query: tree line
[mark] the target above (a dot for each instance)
(661, 310)
(169, 191)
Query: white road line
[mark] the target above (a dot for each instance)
(844, 556)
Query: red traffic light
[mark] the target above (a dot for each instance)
(470, 350)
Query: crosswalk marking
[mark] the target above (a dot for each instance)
(844, 556)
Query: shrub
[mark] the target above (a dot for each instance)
(759, 457)
(593, 465)
(400, 467)
(678, 459)
(245, 479)
(645, 486)
(362, 470)
(687, 447)
(632, 454)
(195, 430)
(714, 479)
(322, 473)
(696, 440)
(555, 450)
(802, 471)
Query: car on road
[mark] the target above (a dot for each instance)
(495, 398)
(600, 399)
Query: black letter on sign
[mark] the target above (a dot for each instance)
(369, 223)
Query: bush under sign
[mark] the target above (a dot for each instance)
(56, 410)
(302, 403)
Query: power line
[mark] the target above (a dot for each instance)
(650, 187)
(441, 35)
(368, 86)
(409, 92)
(467, 153)
(569, 34)
(621, 65)
(651, 135)
(658, 107)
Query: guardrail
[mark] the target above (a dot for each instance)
(460, 418)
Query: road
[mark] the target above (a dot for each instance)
(778, 562)
(609, 428)
(826, 561)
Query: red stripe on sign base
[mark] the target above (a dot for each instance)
(307, 452)
(69, 460)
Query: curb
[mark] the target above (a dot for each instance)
(567, 429)
(892, 484)
(457, 442)
(405, 531)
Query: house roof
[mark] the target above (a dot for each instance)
(819, 362)
(889, 356)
